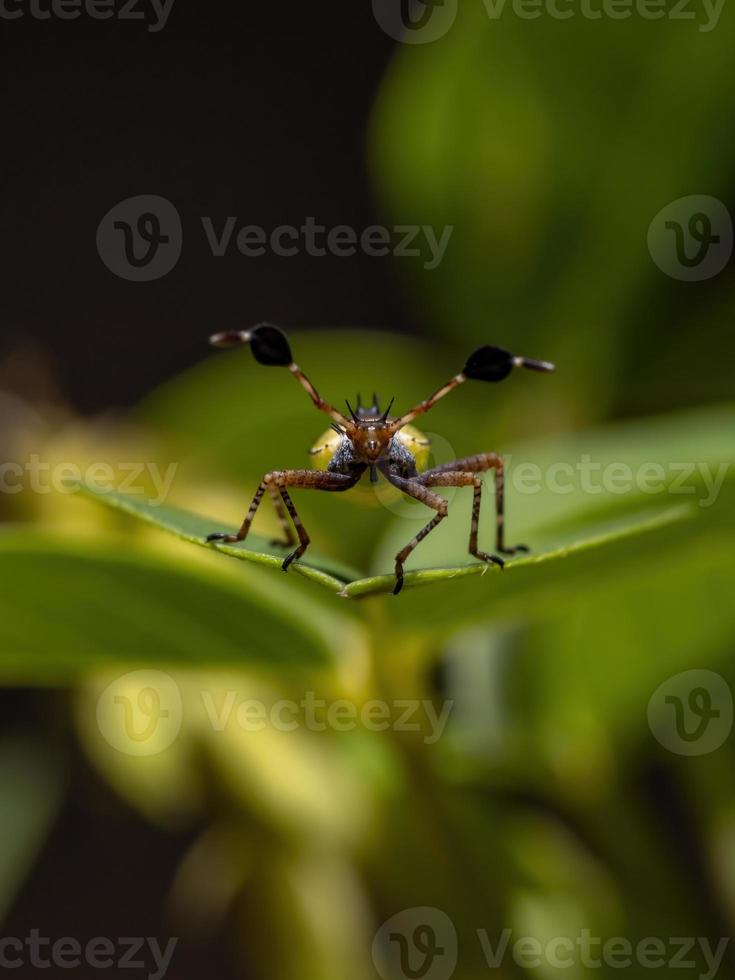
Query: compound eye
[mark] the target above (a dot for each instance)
(489, 364)
(270, 346)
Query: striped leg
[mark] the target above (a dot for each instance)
(460, 479)
(277, 482)
(479, 464)
(289, 536)
(414, 489)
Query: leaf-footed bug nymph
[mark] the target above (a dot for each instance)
(376, 441)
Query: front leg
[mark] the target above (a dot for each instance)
(223, 537)
(276, 482)
(289, 538)
(414, 489)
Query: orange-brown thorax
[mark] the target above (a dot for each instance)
(370, 438)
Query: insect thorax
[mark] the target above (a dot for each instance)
(406, 454)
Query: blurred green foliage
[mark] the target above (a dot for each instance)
(549, 146)
(547, 806)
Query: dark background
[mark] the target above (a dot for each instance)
(253, 110)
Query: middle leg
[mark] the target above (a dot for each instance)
(480, 463)
(449, 478)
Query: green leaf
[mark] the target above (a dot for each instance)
(66, 606)
(194, 528)
(572, 559)
(596, 537)
(593, 537)
(566, 530)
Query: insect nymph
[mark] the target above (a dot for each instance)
(373, 440)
